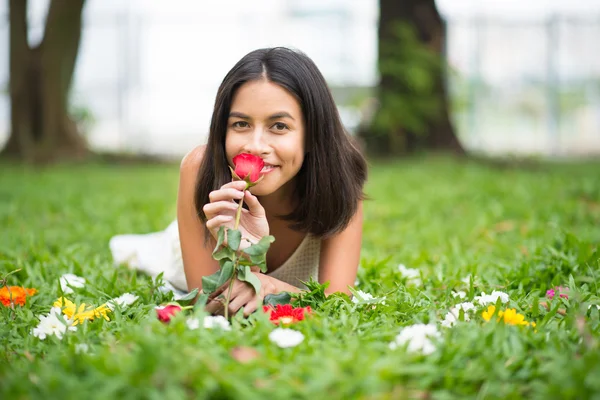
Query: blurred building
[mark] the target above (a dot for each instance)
(525, 77)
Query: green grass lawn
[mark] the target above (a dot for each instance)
(513, 230)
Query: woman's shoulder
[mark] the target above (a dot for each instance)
(192, 160)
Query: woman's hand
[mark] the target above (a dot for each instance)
(242, 295)
(223, 206)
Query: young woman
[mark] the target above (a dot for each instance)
(274, 104)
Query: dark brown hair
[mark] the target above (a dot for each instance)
(330, 182)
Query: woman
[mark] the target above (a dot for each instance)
(274, 104)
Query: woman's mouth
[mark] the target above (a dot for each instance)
(268, 168)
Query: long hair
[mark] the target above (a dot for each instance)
(330, 182)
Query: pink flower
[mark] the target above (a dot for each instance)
(165, 313)
(550, 293)
(248, 167)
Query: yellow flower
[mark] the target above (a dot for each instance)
(489, 313)
(509, 316)
(80, 314)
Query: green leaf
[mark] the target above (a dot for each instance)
(212, 282)
(202, 300)
(220, 239)
(279, 298)
(190, 296)
(247, 276)
(224, 253)
(261, 247)
(234, 237)
(226, 272)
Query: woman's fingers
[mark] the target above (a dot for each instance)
(242, 298)
(251, 306)
(254, 205)
(216, 222)
(225, 194)
(219, 207)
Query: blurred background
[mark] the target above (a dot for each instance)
(503, 77)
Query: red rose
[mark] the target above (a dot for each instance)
(165, 313)
(286, 314)
(248, 167)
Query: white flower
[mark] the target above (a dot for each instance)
(123, 301)
(454, 313)
(364, 297)
(68, 281)
(193, 323)
(412, 275)
(218, 321)
(209, 322)
(82, 348)
(51, 324)
(460, 294)
(285, 337)
(356, 282)
(597, 306)
(486, 299)
(417, 336)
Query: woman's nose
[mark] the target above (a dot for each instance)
(257, 143)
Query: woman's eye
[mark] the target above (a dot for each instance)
(240, 124)
(280, 126)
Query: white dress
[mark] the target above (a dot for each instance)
(158, 252)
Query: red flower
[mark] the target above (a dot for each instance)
(286, 314)
(165, 313)
(248, 167)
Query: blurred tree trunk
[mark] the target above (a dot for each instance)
(423, 16)
(40, 79)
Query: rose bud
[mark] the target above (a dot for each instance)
(165, 313)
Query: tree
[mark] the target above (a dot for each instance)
(40, 80)
(413, 101)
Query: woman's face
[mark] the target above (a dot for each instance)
(265, 120)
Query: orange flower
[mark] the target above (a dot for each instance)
(16, 293)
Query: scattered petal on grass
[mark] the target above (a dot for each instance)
(69, 281)
(53, 324)
(244, 354)
(82, 348)
(285, 337)
(417, 337)
(486, 299)
(459, 294)
(412, 275)
(16, 294)
(123, 301)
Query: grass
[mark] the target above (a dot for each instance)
(521, 231)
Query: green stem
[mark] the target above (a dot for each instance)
(238, 215)
(228, 297)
